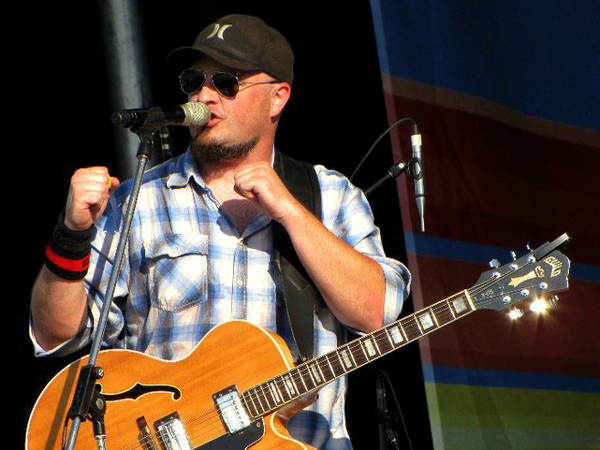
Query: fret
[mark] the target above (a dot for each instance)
(469, 299)
(397, 335)
(306, 388)
(371, 352)
(418, 324)
(337, 353)
(275, 392)
(387, 333)
(257, 395)
(383, 343)
(264, 395)
(444, 313)
(294, 385)
(374, 341)
(317, 372)
(287, 389)
(450, 309)
(330, 367)
(435, 319)
(460, 306)
(251, 406)
(411, 328)
(349, 350)
(359, 353)
(323, 365)
(310, 374)
(426, 322)
(290, 384)
(345, 359)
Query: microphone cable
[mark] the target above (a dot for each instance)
(395, 124)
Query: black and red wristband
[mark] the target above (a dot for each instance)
(68, 252)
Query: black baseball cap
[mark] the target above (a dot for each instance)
(241, 42)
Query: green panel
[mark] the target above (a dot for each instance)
(479, 417)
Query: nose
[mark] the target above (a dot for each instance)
(206, 94)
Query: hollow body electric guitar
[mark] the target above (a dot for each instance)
(237, 389)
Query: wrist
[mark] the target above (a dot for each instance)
(68, 251)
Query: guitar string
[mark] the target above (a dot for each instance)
(378, 336)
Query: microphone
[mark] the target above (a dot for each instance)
(417, 172)
(189, 114)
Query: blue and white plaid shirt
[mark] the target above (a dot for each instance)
(188, 269)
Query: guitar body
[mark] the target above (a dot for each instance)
(139, 386)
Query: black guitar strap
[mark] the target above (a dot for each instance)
(300, 295)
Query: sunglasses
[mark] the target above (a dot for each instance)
(226, 84)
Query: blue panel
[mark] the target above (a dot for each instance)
(540, 58)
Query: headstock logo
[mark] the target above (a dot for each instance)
(555, 264)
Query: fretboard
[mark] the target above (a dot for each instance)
(311, 375)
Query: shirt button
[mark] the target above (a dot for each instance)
(240, 282)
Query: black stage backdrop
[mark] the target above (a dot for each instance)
(63, 123)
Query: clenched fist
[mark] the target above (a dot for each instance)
(261, 184)
(88, 196)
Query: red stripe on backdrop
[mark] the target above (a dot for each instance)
(488, 182)
(551, 343)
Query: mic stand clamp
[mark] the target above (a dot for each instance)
(393, 172)
(87, 400)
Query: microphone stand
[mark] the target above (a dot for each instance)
(387, 436)
(87, 400)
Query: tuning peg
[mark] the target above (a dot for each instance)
(528, 247)
(494, 263)
(513, 255)
(553, 300)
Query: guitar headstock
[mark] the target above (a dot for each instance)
(540, 273)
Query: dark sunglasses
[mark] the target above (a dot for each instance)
(227, 84)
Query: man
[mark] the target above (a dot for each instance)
(201, 248)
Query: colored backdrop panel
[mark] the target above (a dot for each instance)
(506, 96)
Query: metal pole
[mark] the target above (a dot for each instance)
(127, 71)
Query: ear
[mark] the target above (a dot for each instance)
(279, 98)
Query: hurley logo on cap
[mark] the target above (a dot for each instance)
(218, 31)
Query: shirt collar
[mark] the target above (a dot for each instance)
(185, 169)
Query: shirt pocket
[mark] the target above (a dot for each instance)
(178, 272)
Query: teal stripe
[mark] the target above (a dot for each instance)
(510, 379)
(438, 247)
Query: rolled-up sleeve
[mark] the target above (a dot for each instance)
(347, 214)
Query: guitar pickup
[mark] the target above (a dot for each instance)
(232, 412)
(172, 433)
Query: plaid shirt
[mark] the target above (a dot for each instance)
(187, 268)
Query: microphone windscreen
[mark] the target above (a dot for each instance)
(196, 114)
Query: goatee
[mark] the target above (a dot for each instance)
(215, 152)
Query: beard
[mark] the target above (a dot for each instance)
(216, 152)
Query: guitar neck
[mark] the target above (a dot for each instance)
(311, 375)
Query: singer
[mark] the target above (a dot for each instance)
(205, 247)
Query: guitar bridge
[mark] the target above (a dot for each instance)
(232, 411)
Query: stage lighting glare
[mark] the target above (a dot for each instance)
(539, 305)
(515, 313)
